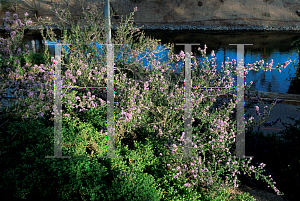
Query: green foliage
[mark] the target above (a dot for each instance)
(24, 165)
(295, 81)
(132, 182)
(83, 175)
(144, 169)
(281, 157)
(243, 197)
(224, 194)
(34, 58)
(134, 186)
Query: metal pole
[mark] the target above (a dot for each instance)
(110, 84)
(107, 22)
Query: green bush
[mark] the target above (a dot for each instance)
(24, 166)
(224, 194)
(282, 158)
(243, 197)
(144, 167)
(27, 173)
(84, 175)
(134, 186)
(34, 58)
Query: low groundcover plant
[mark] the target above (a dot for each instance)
(149, 136)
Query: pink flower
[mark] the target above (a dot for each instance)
(213, 53)
(181, 54)
(26, 14)
(257, 109)
(13, 33)
(187, 184)
(28, 22)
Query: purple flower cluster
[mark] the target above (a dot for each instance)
(6, 45)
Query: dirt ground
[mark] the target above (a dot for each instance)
(216, 12)
(211, 12)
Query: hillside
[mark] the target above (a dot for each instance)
(174, 14)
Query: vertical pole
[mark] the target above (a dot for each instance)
(188, 107)
(58, 106)
(110, 84)
(240, 113)
(107, 22)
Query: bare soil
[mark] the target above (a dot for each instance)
(213, 12)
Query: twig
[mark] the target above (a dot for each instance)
(4, 123)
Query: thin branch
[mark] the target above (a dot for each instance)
(4, 123)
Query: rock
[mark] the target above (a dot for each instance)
(298, 12)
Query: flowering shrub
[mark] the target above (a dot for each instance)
(149, 128)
